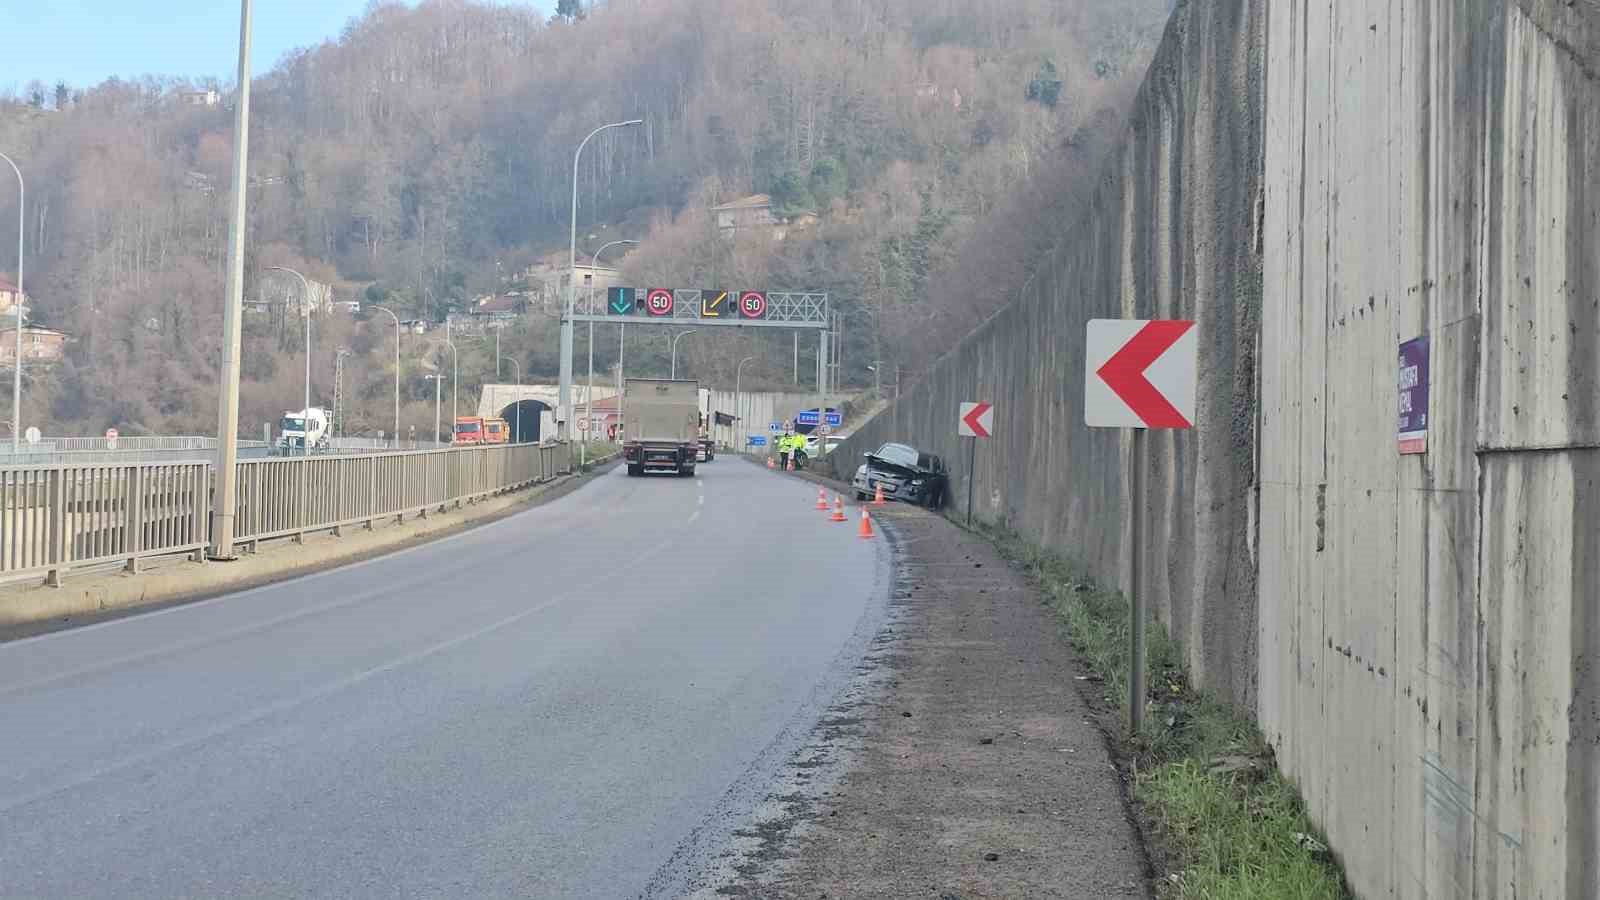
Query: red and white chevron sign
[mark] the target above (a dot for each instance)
(975, 420)
(1142, 373)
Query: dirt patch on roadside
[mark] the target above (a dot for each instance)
(965, 764)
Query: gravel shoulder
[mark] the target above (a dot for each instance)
(962, 761)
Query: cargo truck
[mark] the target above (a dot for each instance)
(662, 430)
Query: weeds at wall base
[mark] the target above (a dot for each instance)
(1227, 823)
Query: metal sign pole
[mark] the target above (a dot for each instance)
(1136, 674)
(972, 462)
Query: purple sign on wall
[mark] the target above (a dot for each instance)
(1414, 396)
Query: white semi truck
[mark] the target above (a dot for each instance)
(662, 424)
(302, 428)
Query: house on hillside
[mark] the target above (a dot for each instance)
(39, 345)
(9, 298)
(498, 308)
(199, 98)
(755, 211)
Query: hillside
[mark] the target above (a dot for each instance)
(423, 159)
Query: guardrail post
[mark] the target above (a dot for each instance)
(200, 503)
(372, 490)
(301, 513)
(57, 527)
(254, 488)
(338, 495)
(133, 505)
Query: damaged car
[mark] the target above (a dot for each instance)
(905, 473)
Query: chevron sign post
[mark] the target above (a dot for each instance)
(1142, 374)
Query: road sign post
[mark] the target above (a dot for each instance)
(975, 420)
(1141, 375)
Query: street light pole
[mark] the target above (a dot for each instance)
(455, 380)
(16, 373)
(738, 371)
(222, 512)
(396, 319)
(518, 413)
(564, 398)
(588, 400)
(438, 381)
(305, 301)
(675, 338)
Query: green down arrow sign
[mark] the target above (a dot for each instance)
(621, 300)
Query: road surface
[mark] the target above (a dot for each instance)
(548, 706)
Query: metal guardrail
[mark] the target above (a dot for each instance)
(280, 497)
(56, 518)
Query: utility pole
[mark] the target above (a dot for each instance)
(228, 407)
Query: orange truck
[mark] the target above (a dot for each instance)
(496, 431)
(469, 430)
(478, 430)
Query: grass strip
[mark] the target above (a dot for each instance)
(1232, 826)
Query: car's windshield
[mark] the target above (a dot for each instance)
(290, 423)
(898, 454)
(467, 428)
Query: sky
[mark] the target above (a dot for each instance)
(84, 42)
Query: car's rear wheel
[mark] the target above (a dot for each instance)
(635, 471)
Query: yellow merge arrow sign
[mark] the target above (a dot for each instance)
(711, 304)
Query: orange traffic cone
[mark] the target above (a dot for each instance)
(822, 499)
(878, 499)
(838, 510)
(866, 525)
(771, 464)
(791, 464)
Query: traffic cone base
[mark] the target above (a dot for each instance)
(866, 525)
(838, 510)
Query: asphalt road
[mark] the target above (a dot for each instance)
(554, 705)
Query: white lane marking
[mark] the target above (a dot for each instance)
(326, 690)
(468, 530)
(695, 517)
(701, 500)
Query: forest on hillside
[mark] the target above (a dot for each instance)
(423, 158)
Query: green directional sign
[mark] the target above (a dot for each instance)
(621, 300)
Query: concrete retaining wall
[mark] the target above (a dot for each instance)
(1418, 635)
(1428, 627)
(1170, 232)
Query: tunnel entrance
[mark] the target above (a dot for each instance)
(525, 430)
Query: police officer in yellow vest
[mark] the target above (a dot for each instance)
(795, 445)
(782, 444)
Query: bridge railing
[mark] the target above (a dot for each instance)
(60, 517)
(294, 496)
